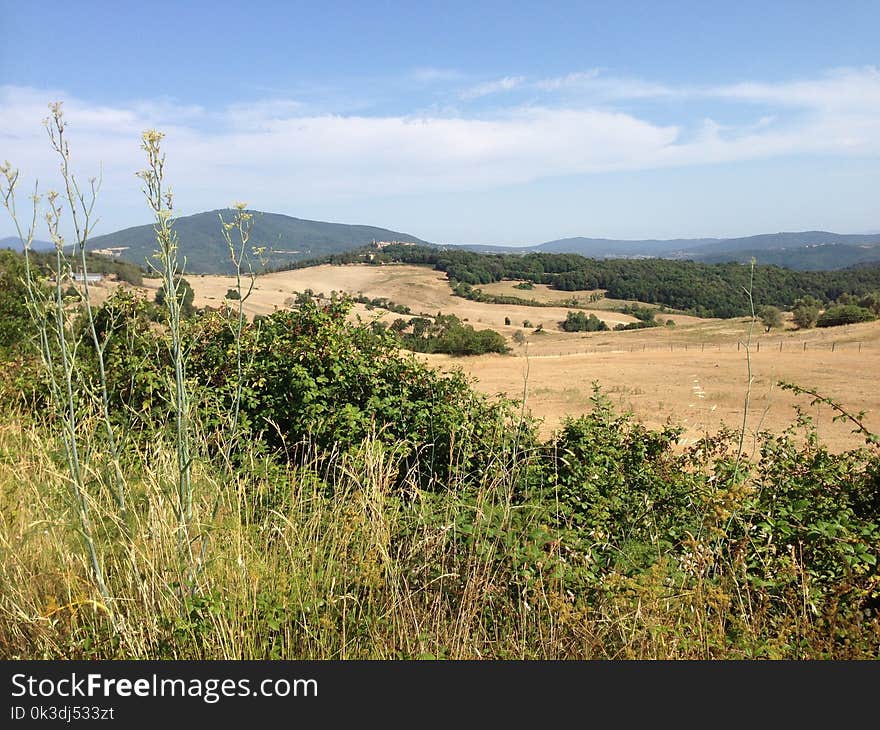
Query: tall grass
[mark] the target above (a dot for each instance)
(341, 561)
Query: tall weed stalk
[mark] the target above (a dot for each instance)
(170, 268)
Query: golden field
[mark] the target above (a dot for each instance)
(693, 374)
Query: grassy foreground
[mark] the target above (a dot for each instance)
(369, 567)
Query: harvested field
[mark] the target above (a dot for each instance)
(693, 374)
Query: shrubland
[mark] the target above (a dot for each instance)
(298, 487)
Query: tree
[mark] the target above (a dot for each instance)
(806, 312)
(185, 296)
(871, 301)
(232, 294)
(770, 317)
(580, 322)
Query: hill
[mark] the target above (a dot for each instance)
(14, 243)
(611, 248)
(823, 257)
(286, 239)
(804, 250)
(290, 240)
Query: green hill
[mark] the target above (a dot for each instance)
(286, 239)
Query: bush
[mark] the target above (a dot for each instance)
(15, 320)
(806, 312)
(312, 376)
(844, 314)
(448, 334)
(580, 322)
(185, 294)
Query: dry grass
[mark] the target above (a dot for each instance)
(657, 373)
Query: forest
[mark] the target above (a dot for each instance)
(704, 290)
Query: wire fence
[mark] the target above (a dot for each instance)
(758, 346)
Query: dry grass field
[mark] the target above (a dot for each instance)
(693, 374)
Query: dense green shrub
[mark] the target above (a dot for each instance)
(15, 321)
(185, 295)
(844, 314)
(806, 312)
(446, 333)
(620, 486)
(312, 376)
(581, 322)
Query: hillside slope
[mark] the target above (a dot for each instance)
(286, 239)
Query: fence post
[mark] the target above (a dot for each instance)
(832, 346)
(805, 345)
(780, 345)
(860, 347)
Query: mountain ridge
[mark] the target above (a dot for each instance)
(286, 239)
(289, 240)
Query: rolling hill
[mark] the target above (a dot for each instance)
(286, 239)
(289, 240)
(14, 243)
(804, 250)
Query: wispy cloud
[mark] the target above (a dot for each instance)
(508, 83)
(279, 155)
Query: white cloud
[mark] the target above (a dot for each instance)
(507, 83)
(846, 88)
(279, 156)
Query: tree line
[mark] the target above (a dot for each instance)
(705, 290)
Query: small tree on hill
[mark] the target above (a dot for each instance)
(806, 312)
(770, 317)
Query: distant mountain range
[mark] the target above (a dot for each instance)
(14, 243)
(288, 240)
(804, 250)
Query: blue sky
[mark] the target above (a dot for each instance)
(476, 122)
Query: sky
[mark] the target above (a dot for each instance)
(460, 122)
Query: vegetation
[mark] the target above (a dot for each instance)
(806, 312)
(44, 262)
(284, 240)
(297, 487)
(770, 317)
(580, 322)
(446, 333)
(185, 296)
(382, 303)
(844, 314)
(706, 290)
